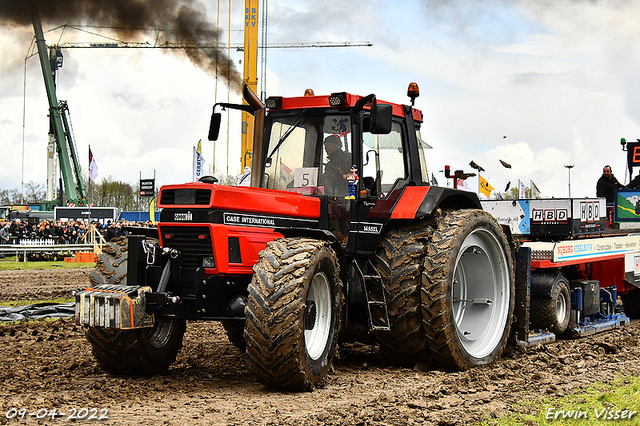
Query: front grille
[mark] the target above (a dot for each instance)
(200, 197)
(186, 239)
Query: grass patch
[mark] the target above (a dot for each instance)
(11, 264)
(599, 404)
(57, 300)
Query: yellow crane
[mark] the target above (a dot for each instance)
(250, 75)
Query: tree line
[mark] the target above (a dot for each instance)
(105, 192)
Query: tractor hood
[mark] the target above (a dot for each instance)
(200, 202)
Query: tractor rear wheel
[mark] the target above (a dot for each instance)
(399, 261)
(553, 313)
(468, 290)
(293, 313)
(143, 351)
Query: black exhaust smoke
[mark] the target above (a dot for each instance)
(182, 21)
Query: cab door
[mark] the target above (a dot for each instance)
(384, 173)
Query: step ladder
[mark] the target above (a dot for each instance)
(374, 292)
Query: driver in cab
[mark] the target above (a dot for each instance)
(336, 169)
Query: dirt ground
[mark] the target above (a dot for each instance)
(47, 365)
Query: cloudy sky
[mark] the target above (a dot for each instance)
(558, 78)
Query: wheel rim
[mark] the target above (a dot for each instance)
(317, 316)
(561, 308)
(481, 293)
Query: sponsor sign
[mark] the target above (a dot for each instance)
(589, 211)
(550, 216)
(89, 213)
(147, 187)
(597, 247)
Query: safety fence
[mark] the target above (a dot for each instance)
(45, 250)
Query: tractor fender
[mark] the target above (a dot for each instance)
(320, 234)
(417, 202)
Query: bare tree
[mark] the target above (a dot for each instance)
(33, 192)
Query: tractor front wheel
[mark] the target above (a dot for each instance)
(143, 351)
(293, 313)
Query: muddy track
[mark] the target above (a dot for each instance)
(48, 364)
(38, 284)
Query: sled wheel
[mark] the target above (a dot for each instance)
(468, 290)
(553, 313)
(293, 313)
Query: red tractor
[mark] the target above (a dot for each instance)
(294, 264)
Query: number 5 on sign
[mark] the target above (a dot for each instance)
(304, 177)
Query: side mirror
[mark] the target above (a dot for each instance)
(214, 126)
(381, 118)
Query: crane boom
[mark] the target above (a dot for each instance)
(250, 47)
(58, 111)
(174, 45)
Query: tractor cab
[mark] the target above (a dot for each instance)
(356, 153)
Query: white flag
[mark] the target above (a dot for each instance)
(198, 165)
(522, 190)
(463, 185)
(93, 167)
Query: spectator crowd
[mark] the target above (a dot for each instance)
(72, 231)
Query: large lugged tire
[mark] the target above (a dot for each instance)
(553, 313)
(468, 290)
(399, 261)
(111, 266)
(142, 351)
(293, 313)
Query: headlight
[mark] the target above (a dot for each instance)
(208, 262)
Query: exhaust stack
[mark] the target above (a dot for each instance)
(257, 169)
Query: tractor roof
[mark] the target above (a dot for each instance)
(338, 100)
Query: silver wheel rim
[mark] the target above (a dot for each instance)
(316, 334)
(481, 293)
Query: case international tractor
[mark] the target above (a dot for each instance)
(292, 266)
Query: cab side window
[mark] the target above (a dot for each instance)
(383, 161)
